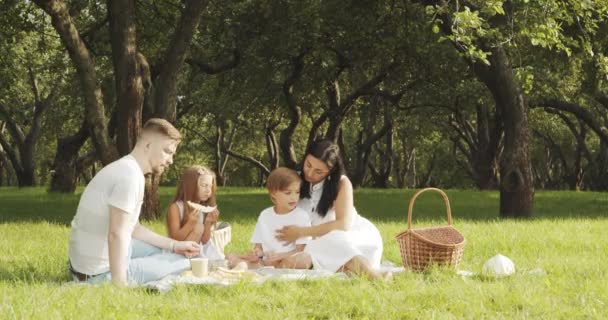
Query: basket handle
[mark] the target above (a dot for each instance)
(445, 199)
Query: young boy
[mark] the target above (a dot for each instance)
(284, 189)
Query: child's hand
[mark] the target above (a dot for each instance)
(193, 216)
(212, 217)
(272, 257)
(251, 257)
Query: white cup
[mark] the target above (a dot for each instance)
(200, 267)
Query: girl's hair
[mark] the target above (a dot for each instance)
(280, 179)
(187, 189)
(328, 152)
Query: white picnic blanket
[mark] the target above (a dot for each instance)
(260, 275)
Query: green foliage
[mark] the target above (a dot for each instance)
(557, 49)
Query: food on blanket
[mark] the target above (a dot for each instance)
(214, 264)
(223, 273)
(200, 207)
(241, 266)
(229, 271)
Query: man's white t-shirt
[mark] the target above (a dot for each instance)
(121, 185)
(269, 221)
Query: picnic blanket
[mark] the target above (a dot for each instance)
(257, 276)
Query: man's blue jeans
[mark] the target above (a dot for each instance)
(147, 263)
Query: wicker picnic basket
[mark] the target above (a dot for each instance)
(422, 247)
(221, 235)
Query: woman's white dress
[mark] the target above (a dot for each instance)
(332, 250)
(209, 250)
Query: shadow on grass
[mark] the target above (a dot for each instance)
(386, 205)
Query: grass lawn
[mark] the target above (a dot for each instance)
(567, 239)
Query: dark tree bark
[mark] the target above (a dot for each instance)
(22, 159)
(272, 146)
(127, 73)
(480, 144)
(516, 185)
(386, 162)
(339, 108)
(83, 62)
(65, 173)
(404, 166)
(164, 99)
(598, 166)
(364, 148)
(295, 113)
(165, 85)
(427, 178)
(578, 111)
(256, 163)
(313, 133)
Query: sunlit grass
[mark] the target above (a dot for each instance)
(567, 239)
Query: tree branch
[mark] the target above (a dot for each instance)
(217, 68)
(13, 128)
(249, 159)
(579, 112)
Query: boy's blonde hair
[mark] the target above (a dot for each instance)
(280, 179)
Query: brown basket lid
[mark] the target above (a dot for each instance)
(445, 235)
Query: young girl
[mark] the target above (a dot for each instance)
(197, 185)
(284, 188)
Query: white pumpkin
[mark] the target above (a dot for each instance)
(498, 266)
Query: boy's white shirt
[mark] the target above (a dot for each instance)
(269, 222)
(121, 185)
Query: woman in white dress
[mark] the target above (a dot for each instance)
(342, 239)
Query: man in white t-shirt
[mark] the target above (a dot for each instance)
(106, 240)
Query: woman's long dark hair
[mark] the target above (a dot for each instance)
(329, 153)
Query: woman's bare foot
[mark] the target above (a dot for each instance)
(387, 276)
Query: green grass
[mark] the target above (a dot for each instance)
(567, 238)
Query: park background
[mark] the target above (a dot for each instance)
(502, 103)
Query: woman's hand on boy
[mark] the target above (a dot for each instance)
(273, 257)
(288, 234)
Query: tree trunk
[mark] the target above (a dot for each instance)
(272, 148)
(93, 97)
(127, 75)
(65, 174)
(164, 91)
(220, 178)
(150, 209)
(295, 113)
(165, 86)
(485, 164)
(600, 179)
(386, 162)
(516, 188)
(364, 148)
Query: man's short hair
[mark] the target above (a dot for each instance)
(163, 127)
